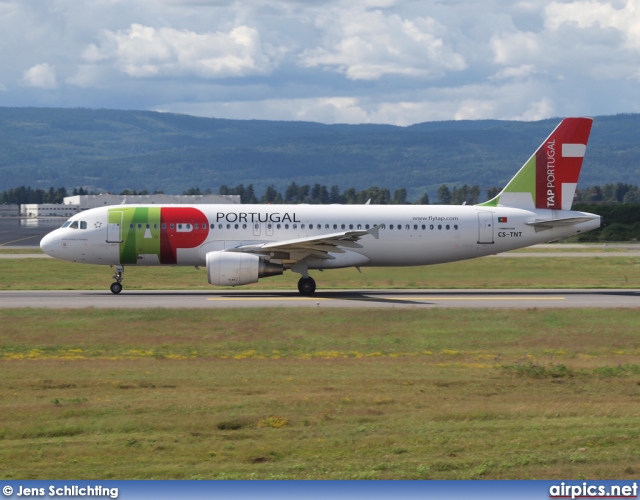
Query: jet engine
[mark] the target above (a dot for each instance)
(237, 268)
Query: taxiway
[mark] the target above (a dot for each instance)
(135, 299)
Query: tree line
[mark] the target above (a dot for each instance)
(607, 194)
(322, 195)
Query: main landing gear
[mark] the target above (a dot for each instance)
(306, 286)
(116, 287)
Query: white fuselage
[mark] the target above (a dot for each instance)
(409, 235)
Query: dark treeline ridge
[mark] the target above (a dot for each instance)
(111, 150)
(621, 222)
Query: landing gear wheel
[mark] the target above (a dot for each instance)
(307, 286)
(116, 287)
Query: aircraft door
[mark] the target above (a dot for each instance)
(485, 228)
(114, 227)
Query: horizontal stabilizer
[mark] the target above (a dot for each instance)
(569, 221)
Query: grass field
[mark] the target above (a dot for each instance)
(335, 394)
(322, 394)
(493, 272)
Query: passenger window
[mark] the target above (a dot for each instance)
(228, 226)
(172, 226)
(447, 226)
(455, 226)
(269, 226)
(310, 226)
(148, 226)
(256, 226)
(220, 226)
(295, 226)
(424, 227)
(366, 226)
(164, 226)
(359, 226)
(342, 226)
(179, 226)
(278, 226)
(407, 227)
(326, 226)
(415, 226)
(335, 226)
(155, 226)
(390, 226)
(244, 226)
(235, 226)
(286, 226)
(430, 226)
(439, 226)
(139, 226)
(301, 226)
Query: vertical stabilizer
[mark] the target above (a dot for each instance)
(549, 178)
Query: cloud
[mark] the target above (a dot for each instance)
(367, 45)
(41, 76)
(352, 61)
(143, 51)
(602, 15)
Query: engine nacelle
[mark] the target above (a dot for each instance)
(237, 268)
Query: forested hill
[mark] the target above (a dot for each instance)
(107, 150)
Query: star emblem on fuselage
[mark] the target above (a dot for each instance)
(98, 225)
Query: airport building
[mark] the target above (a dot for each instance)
(85, 202)
(9, 210)
(48, 210)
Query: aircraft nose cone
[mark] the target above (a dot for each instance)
(48, 244)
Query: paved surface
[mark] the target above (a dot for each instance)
(15, 231)
(520, 299)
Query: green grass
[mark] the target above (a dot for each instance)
(335, 394)
(493, 272)
(17, 251)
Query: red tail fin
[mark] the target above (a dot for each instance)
(558, 163)
(549, 178)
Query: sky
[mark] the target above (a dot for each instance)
(396, 62)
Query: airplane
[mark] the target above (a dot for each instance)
(239, 244)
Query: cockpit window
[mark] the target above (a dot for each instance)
(66, 224)
(83, 224)
(74, 225)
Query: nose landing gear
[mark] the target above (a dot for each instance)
(116, 287)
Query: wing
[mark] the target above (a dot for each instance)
(321, 246)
